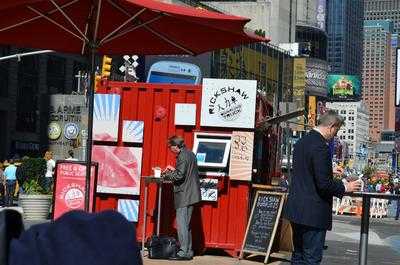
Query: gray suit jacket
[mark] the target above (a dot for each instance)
(185, 179)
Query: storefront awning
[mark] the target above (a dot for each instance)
(281, 118)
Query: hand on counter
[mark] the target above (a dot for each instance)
(169, 168)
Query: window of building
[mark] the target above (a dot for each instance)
(27, 94)
(56, 75)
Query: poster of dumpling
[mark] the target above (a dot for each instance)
(119, 169)
(106, 117)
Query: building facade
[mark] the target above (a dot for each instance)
(24, 86)
(355, 132)
(376, 79)
(345, 35)
(383, 9)
(275, 18)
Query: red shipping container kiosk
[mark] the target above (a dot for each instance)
(220, 222)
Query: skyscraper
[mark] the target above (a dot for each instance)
(377, 73)
(383, 9)
(345, 35)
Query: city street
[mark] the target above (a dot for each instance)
(342, 241)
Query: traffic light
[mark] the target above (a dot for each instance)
(106, 68)
(97, 81)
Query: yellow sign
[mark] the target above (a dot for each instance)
(299, 84)
(312, 111)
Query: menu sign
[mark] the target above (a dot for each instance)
(241, 161)
(70, 187)
(263, 222)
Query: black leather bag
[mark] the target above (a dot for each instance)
(161, 247)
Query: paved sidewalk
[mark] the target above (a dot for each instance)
(210, 260)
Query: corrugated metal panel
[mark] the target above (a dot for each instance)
(218, 224)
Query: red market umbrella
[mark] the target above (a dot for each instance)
(117, 27)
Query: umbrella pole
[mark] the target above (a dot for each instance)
(90, 96)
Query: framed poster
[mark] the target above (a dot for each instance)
(228, 103)
(129, 209)
(119, 169)
(185, 114)
(106, 117)
(132, 131)
(70, 187)
(241, 161)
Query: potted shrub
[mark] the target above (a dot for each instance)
(34, 198)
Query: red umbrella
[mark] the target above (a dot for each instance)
(117, 27)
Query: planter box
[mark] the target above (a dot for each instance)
(35, 207)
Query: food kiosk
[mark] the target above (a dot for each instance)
(232, 154)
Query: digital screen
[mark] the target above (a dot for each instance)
(170, 78)
(211, 152)
(344, 87)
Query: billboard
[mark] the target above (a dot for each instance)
(344, 87)
(397, 103)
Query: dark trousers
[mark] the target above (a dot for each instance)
(183, 216)
(308, 245)
(10, 189)
(3, 193)
(398, 210)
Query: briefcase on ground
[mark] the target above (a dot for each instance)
(161, 247)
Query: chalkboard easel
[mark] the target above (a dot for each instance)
(263, 223)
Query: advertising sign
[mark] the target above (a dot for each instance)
(344, 87)
(299, 83)
(106, 117)
(70, 187)
(67, 125)
(241, 162)
(398, 77)
(228, 103)
(119, 169)
(321, 14)
(312, 111)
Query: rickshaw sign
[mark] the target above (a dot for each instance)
(228, 103)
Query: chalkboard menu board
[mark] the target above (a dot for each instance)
(263, 222)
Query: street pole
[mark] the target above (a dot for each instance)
(19, 55)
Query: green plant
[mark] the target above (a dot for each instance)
(31, 176)
(369, 171)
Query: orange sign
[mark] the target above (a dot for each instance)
(241, 164)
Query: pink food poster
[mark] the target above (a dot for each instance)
(106, 117)
(119, 169)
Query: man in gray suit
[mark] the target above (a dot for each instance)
(185, 178)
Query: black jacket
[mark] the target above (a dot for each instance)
(312, 187)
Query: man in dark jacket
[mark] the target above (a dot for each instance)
(309, 205)
(185, 178)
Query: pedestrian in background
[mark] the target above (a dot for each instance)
(309, 205)
(396, 190)
(185, 178)
(11, 181)
(50, 165)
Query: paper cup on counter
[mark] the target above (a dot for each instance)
(157, 172)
